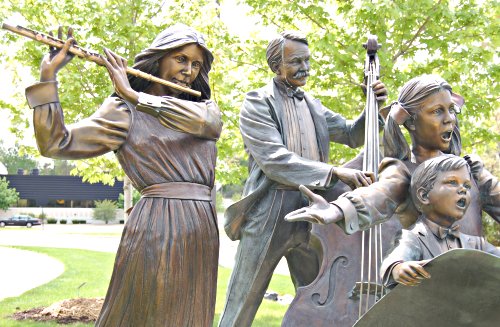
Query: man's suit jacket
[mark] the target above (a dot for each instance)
(419, 243)
(271, 163)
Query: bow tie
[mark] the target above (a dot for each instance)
(452, 231)
(298, 93)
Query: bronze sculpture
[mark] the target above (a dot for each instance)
(347, 279)
(427, 108)
(440, 189)
(286, 134)
(431, 107)
(166, 267)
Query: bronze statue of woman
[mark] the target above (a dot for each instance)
(165, 270)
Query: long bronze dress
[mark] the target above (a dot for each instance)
(166, 267)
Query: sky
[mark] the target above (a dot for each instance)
(6, 90)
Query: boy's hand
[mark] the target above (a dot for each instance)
(410, 273)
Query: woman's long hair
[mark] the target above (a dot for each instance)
(171, 38)
(411, 97)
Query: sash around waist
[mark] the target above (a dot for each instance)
(178, 190)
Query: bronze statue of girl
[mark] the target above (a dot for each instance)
(165, 271)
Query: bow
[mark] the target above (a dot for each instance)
(451, 231)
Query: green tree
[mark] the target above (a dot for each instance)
(8, 196)
(135, 197)
(14, 159)
(105, 210)
(58, 167)
(455, 39)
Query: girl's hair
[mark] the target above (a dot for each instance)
(171, 38)
(411, 97)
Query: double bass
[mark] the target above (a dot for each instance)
(347, 284)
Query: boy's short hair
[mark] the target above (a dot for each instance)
(426, 173)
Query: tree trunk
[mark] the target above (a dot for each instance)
(127, 197)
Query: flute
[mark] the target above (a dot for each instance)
(90, 55)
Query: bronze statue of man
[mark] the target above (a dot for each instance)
(286, 134)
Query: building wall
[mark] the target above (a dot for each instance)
(42, 189)
(59, 213)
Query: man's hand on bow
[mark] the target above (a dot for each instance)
(354, 178)
(380, 91)
(318, 212)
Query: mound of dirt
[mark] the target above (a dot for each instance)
(65, 312)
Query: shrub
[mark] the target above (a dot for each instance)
(105, 210)
(75, 221)
(51, 221)
(491, 230)
(8, 196)
(62, 221)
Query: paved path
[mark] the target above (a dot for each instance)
(23, 270)
(17, 265)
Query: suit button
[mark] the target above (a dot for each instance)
(316, 183)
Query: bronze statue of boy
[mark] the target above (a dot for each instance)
(440, 189)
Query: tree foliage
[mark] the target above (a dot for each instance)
(14, 159)
(105, 210)
(457, 39)
(135, 198)
(8, 196)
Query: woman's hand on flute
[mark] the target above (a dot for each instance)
(56, 59)
(117, 69)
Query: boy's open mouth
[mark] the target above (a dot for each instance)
(446, 136)
(462, 203)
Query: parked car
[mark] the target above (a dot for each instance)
(20, 220)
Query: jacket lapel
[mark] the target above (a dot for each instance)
(320, 125)
(276, 109)
(468, 242)
(428, 240)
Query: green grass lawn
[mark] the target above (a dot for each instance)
(94, 269)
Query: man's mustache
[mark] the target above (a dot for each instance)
(300, 74)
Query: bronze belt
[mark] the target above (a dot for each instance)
(178, 190)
